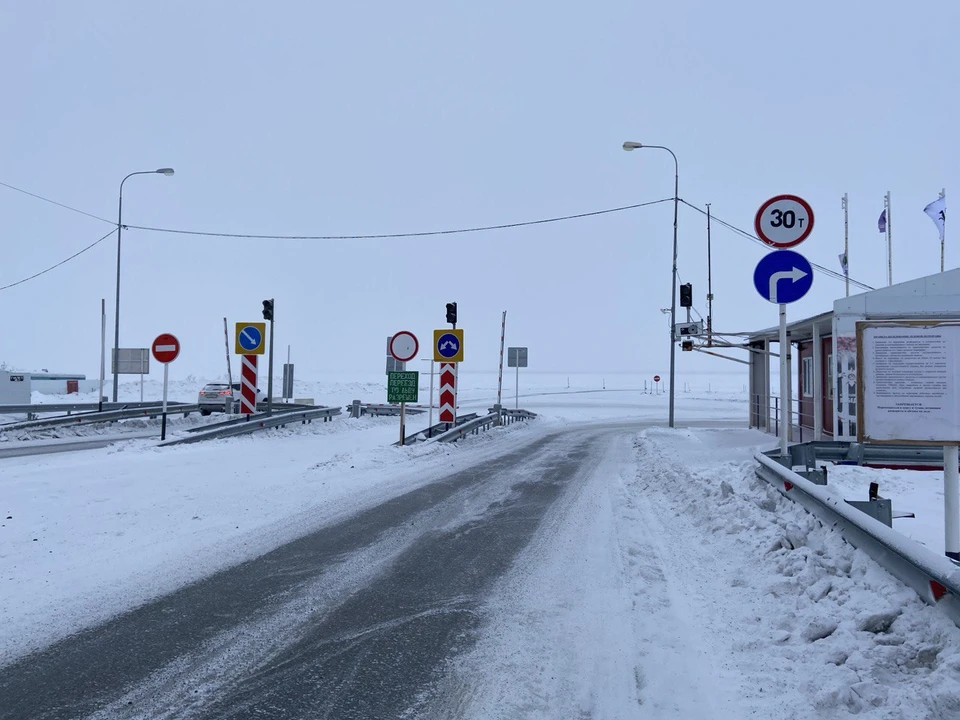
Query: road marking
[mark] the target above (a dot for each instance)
(794, 275)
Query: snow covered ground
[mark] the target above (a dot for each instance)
(715, 597)
(671, 545)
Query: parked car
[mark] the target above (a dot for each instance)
(212, 396)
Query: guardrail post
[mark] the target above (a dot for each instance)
(355, 409)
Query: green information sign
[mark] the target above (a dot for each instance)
(403, 386)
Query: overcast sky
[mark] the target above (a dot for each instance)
(359, 118)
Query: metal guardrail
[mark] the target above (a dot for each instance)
(92, 418)
(257, 422)
(240, 419)
(470, 427)
(934, 578)
(21, 448)
(37, 408)
(512, 416)
(872, 454)
(357, 408)
(435, 429)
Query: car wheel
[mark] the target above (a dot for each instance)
(205, 412)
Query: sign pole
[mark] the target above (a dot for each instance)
(103, 350)
(431, 397)
(403, 415)
(784, 381)
(517, 391)
(951, 501)
(163, 422)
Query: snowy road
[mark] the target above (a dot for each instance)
(355, 620)
(592, 571)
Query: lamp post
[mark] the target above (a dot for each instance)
(673, 294)
(116, 328)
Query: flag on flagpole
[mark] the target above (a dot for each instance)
(843, 264)
(937, 211)
(882, 222)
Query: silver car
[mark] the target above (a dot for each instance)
(214, 396)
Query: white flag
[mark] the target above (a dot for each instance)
(937, 210)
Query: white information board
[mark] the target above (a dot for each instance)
(910, 375)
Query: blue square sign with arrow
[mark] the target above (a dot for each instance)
(783, 276)
(448, 345)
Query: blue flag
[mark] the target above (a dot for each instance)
(882, 222)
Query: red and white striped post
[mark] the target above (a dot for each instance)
(448, 392)
(248, 384)
(503, 334)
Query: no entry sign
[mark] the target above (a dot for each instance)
(404, 346)
(166, 348)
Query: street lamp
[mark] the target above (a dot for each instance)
(116, 329)
(673, 295)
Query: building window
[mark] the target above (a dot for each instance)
(808, 377)
(830, 376)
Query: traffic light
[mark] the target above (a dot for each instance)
(686, 295)
(452, 313)
(268, 310)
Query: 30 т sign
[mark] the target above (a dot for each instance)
(784, 221)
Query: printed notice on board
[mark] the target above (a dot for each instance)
(910, 376)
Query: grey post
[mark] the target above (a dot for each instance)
(116, 328)
(673, 295)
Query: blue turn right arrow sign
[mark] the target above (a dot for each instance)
(783, 276)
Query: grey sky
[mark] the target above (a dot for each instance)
(310, 118)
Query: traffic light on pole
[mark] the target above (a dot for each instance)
(268, 310)
(686, 295)
(452, 313)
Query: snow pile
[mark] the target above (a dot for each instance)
(789, 619)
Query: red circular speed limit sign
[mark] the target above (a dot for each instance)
(166, 348)
(784, 221)
(656, 378)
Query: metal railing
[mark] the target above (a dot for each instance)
(512, 416)
(357, 408)
(435, 429)
(34, 409)
(92, 418)
(801, 422)
(471, 427)
(244, 426)
(934, 578)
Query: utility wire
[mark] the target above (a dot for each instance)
(58, 204)
(384, 236)
(53, 267)
(754, 238)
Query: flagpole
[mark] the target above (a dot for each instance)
(846, 242)
(943, 235)
(886, 206)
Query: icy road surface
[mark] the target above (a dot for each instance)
(546, 570)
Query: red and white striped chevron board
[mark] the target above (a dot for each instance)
(448, 392)
(248, 384)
